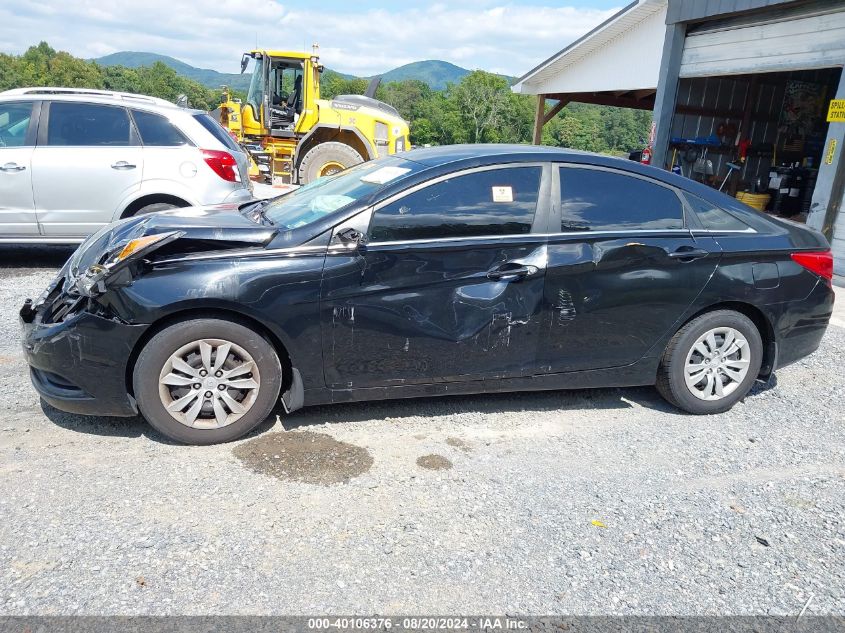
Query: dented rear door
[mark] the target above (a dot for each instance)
(623, 268)
(448, 285)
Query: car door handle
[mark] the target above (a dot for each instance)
(122, 164)
(12, 167)
(688, 254)
(509, 271)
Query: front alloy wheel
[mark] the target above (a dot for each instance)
(205, 381)
(209, 384)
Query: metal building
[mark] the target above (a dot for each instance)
(749, 93)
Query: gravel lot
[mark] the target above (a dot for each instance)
(587, 502)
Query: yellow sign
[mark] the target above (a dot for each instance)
(831, 151)
(836, 112)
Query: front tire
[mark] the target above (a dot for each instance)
(711, 363)
(327, 159)
(207, 381)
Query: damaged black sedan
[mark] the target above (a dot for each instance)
(463, 269)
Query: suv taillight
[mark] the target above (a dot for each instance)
(223, 164)
(820, 262)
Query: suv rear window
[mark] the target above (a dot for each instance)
(87, 125)
(217, 131)
(157, 131)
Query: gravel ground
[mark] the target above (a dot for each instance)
(586, 502)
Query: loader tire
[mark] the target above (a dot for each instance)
(326, 159)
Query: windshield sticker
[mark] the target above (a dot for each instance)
(502, 194)
(384, 175)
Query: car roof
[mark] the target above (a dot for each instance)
(93, 95)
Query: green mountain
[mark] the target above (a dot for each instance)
(205, 76)
(437, 74)
(434, 72)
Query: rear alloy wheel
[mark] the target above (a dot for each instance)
(206, 381)
(711, 363)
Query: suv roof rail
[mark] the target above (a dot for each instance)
(92, 92)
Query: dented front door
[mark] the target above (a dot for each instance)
(445, 283)
(421, 313)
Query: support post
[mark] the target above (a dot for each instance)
(539, 119)
(667, 90)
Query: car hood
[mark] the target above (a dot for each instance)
(193, 229)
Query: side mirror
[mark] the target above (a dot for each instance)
(351, 237)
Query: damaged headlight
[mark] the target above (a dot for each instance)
(92, 281)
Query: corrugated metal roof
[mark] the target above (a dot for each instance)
(617, 25)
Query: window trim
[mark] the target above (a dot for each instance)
(539, 223)
(188, 142)
(557, 191)
(44, 125)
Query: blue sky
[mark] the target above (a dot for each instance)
(363, 37)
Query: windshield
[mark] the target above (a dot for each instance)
(325, 195)
(256, 87)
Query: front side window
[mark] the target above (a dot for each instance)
(597, 200)
(14, 123)
(255, 95)
(86, 124)
(157, 131)
(491, 202)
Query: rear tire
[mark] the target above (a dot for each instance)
(326, 159)
(189, 363)
(711, 363)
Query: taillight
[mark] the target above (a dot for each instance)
(820, 263)
(223, 164)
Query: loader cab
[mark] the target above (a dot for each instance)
(280, 91)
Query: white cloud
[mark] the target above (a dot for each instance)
(475, 33)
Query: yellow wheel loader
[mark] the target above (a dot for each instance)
(293, 136)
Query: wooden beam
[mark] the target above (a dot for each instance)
(560, 105)
(539, 119)
(605, 98)
(642, 94)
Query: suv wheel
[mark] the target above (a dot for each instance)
(711, 363)
(206, 381)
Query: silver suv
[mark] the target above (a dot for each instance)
(73, 160)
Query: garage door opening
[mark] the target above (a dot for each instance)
(758, 137)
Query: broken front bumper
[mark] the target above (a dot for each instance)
(78, 360)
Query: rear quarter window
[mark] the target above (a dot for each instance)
(217, 131)
(157, 131)
(714, 218)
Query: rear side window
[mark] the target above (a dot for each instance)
(86, 124)
(217, 131)
(597, 200)
(714, 218)
(492, 202)
(157, 131)
(14, 123)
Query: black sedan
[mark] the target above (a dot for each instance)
(463, 269)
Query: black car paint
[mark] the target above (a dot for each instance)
(390, 321)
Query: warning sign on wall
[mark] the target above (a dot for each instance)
(836, 111)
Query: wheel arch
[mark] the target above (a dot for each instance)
(760, 320)
(218, 312)
(152, 198)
